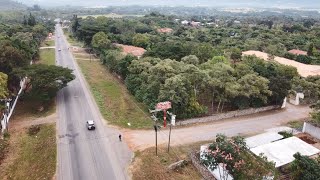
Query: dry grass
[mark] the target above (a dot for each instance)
(27, 109)
(148, 166)
(36, 157)
(47, 43)
(115, 103)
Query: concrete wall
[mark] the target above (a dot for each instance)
(206, 174)
(312, 130)
(230, 114)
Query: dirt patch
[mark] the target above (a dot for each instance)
(307, 138)
(303, 69)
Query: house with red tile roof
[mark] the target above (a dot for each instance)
(133, 50)
(298, 52)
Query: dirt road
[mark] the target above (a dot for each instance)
(245, 125)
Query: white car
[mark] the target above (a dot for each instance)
(59, 49)
(90, 125)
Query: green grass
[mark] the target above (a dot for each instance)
(47, 56)
(71, 39)
(37, 157)
(48, 43)
(28, 109)
(115, 103)
(296, 124)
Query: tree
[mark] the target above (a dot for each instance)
(100, 41)
(141, 40)
(304, 168)
(31, 20)
(254, 89)
(235, 54)
(191, 59)
(45, 81)
(3, 85)
(204, 51)
(232, 156)
(303, 59)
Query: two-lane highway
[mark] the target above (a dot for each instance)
(84, 154)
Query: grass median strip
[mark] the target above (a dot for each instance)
(115, 103)
(36, 157)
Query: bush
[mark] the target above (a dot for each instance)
(33, 130)
(285, 134)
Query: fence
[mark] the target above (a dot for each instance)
(206, 174)
(312, 130)
(227, 115)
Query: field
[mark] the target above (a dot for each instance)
(47, 56)
(115, 103)
(47, 43)
(36, 154)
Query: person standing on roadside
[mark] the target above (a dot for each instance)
(119, 137)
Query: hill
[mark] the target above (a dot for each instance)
(210, 3)
(11, 5)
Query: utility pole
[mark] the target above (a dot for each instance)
(155, 126)
(172, 122)
(156, 130)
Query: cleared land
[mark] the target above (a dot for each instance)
(147, 165)
(47, 56)
(115, 103)
(303, 69)
(36, 155)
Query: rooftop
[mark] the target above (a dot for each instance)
(262, 139)
(281, 152)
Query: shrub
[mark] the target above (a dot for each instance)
(33, 130)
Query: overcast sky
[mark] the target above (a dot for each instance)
(248, 3)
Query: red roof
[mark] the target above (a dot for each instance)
(133, 50)
(298, 52)
(165, 30)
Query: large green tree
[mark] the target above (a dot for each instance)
(45, 81)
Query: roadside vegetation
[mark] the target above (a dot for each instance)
(146, 165)
(200, 69)
(48, 43)
(47, 56)
(36, 154)
(115, 103)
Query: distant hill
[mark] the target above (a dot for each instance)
(11, 5)
(212, 3)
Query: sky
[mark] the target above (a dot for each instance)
(214, 3)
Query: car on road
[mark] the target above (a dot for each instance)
(90, 125)
(59, 49)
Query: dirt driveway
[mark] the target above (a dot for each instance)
(246, 125)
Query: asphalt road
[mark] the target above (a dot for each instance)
(84, 154)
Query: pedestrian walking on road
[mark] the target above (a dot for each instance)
(119, 137)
